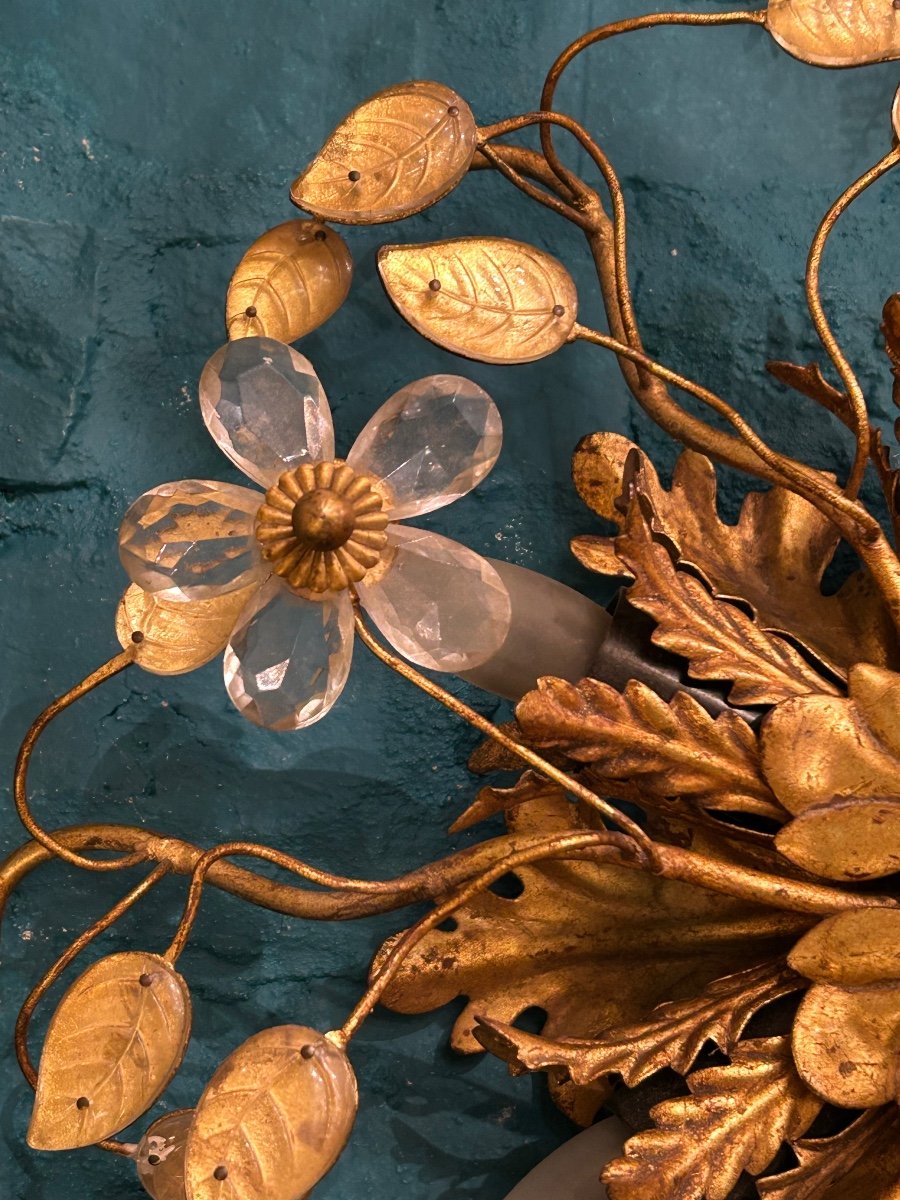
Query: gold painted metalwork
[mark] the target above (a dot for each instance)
(289, 282)
(322, 526)
(763, 865)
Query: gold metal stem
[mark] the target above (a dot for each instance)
(823, 328)
(107, 671)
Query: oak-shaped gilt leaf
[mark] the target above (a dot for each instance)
(836, 33)
(735, 1119)
(176, 636)
(400, 151)
(862, 1162)
(671, 1036)
(491, 299)
(273, 1119)
(115, 1041)
(290, 281)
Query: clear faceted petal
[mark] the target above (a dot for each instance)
(432, 442)
(439, 604)
(265, 407)
(191, 540)
(289, 656)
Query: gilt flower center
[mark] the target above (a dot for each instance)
(324, 520)
(322, 526)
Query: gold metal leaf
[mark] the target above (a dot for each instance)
(177, 635)
(159, 1157)
(862, 1162)
(492, 299)
(818, 747)
(594, 945)
(848, 839)
(273, 1119)
(836, 33)
(773, 559)
(735, 1119)
(854, 948)
(719, 639)
(289, 282)
(400, 151)
(114, 1042)
(672, 1035)
(666, 749)
(847, 1044)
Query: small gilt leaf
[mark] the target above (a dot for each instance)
(492, 299)
(855, 948)
(735, 1119)
(400, 151)
(290, 281)
(159, 1156)
(809, 381)
(176, 636)
(847, 1044)
(273, 1119)
(668, 749)
(114, 1042)
(671, 1036)
(836, 33)
(824, 1164)
(847, 838)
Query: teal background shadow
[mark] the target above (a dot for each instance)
(144, 146)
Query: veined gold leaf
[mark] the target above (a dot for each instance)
(719, 640)
(114, 1042)
(836, 33)
(847, 1044)
(492, 299)
(666, 749)
(400, 151)
(289, 282)
(735, 1119)
(273, 1119)
(177, 635)
(827, 1167)
(671, 1036)
(159, 1157)
(853, 948)
(848, 838)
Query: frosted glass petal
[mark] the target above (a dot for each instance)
(439, 604)
(432, 442)
(289, 656)
(191, 540)
(264, 406)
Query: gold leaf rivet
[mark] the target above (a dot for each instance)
(137, 637)
(558, 310)
(145, 980)
(221, 1172)
(320, 235)
(353, 176)
(154, 1160)
(307, 1051)
(453, 111)
(82, 1102)
(435, 285)
(250, 311)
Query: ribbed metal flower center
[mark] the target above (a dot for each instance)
(323, 520)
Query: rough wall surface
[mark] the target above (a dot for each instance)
(144, 145)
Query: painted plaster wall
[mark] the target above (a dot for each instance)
(142, 147)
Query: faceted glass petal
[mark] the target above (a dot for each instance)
(191, 540)
(439, 604)
(289, 656)
(264, 406)
(432, 442)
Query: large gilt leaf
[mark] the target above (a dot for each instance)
(719, 640)
(773, 559)
(735, 1119)
(595, 946)
(273, 1119)
(290, 281)
(836, 33)
(398, 152)
(491, 299)
(824, 1164)
(113, 1044)
(175, 636)
(671, 1036)
(667, 749)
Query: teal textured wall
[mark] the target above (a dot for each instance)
(144, 145)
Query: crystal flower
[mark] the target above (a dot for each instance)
(322, 527)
